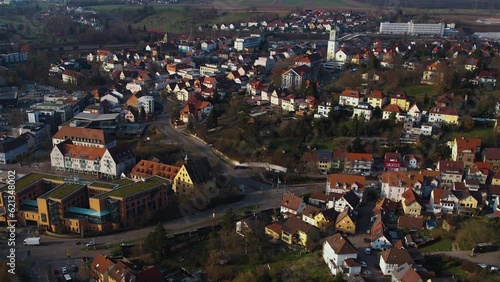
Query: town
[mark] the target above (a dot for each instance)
(313, 145)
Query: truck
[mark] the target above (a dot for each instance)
(34, 241)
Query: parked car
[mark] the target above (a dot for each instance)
(90, 244)
(363, 264)
(367, 273)
(64, 270)
(368, 251)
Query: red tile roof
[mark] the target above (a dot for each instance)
(341, 245)
(291, 201)
(148, 168)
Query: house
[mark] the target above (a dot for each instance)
(471, 64)
(414, 114)
(363, 111)
(465, 150)
(346, 222)
(394, 184)
(410, 203)
(432, 74)
(339, 156)
(194, 178)
(350, 98)
(446, 115)
(311, 60)
(392, 110)
(343, 183)
(406, 273)
(325, 220)
(385, 207)
(294, 78)
(376, 99)
(292, 205)
(195, 109)
(379, 236)
(70, 76)
(309, 214)
(410, 222)
(324, 109)
(443, 201)
(144, 169)
(392, 161)
(392, 259)
(495, 179)
(274, 230)
(492, 155)
(336, 250)
(399, 99)
(348, 200)
(325, 159)
(411, 161)
(451, 171)
(479, 171)
(358, 163)
(486, 79)
(296, 231)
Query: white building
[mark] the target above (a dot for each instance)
(333, 44)
(363, 109)
(266, 62)
(147, 103)
(412, 28)
(336, 251)
(251, 41)
(391, 259)
(85, 137)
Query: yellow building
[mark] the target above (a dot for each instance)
(296, 231)
(399, 99)
(410, 203)
(195, 178)
(274, 230)
(325, 220)
(467, 201)
(345, 222)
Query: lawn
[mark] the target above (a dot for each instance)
(417, 92)
(486, 134)
(443, 245)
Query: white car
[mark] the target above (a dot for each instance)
(368, 251)
(363, 264)
(64, 270)
(367, 273)
(90, 244)
(482, 265)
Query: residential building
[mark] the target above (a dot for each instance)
(410, 203)
(363, 111)
(325, 220)
(379, 236)
(70, 76)
(376, 99)
(358, 163)
(392, 110)
(105, 269)
(40, 131)
(336, 250)
(350, 98)
(296, 231)
(412, 28)
(486, 79)
(343, 183)
(309, 214)
(11, 149)
(446, 115)
(85, 137)
(406, 273)
(108, 162)
(392, 259)
(195, 180)
(443, 201)
(451, 171)
(346, 222)
(324, 109)
(399, 99)
(479, 171)
(471, 64)
(147, 103)
(411, 161)
(144, 169)
(432, 74)
(294, 78)
(392, 161)
(465, 150)
(394, 184)
(292, 205)
(310, 60)
(492, 155)
(414, 114)
(412, 223)
(195, 109)
(348, 200)
(274, 230)
(325, 160)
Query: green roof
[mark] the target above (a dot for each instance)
(31, 178)
(103, 185)
(135, 187)
(61, 191)
(123, 182)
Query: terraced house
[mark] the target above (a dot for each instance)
(67, 205)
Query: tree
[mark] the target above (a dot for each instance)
(84, 273)
(467, 123)
(476, 231)
(142, 113)
(156, 243)
(228, 219)
(212, 119)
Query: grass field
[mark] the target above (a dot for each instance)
(443, 245)
(417, 92)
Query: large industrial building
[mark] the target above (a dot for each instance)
(412, 28)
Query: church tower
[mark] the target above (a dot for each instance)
(333, 44)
